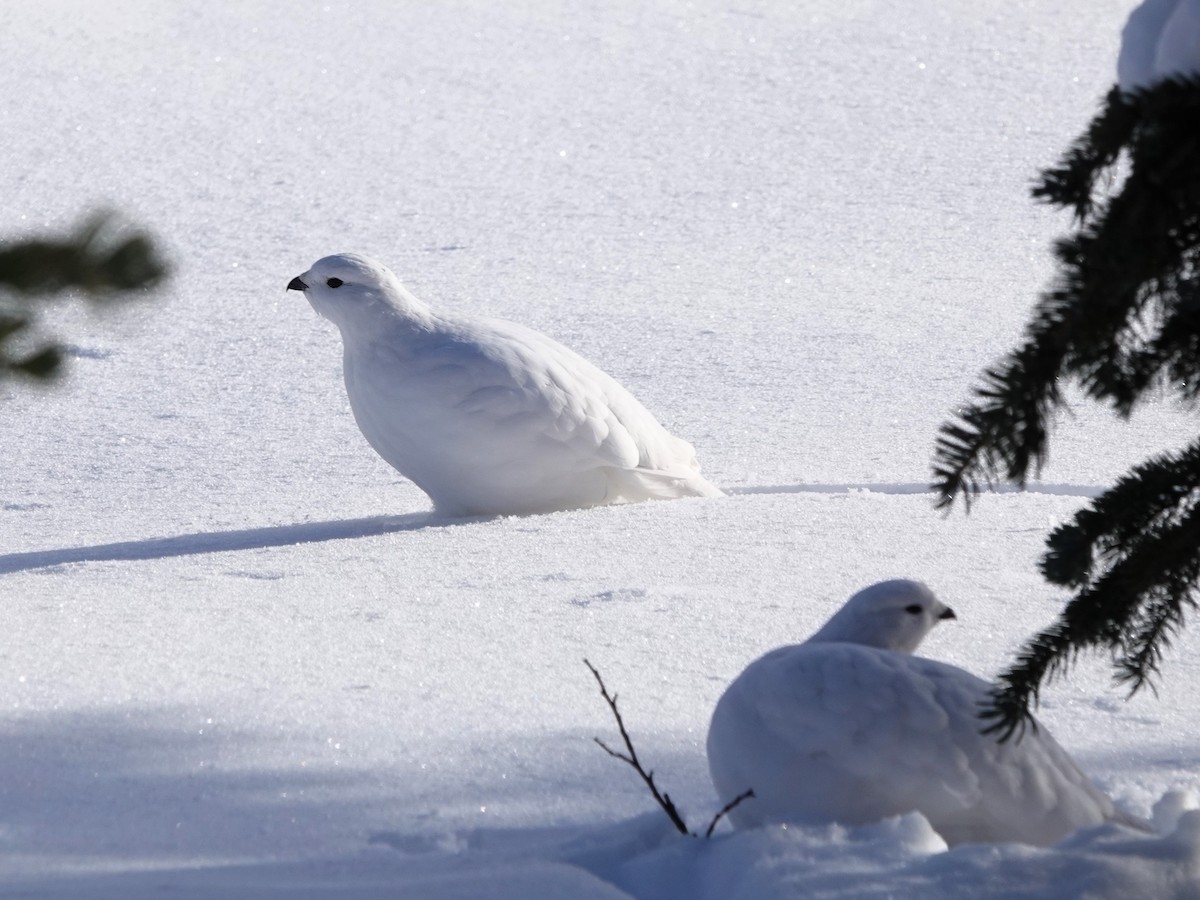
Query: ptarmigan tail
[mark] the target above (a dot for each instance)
(1131, 821)
(636, 485)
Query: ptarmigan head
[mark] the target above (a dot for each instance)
(891, 615)
(353, 291)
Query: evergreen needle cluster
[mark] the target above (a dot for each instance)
(97, 259)
(1121, 321)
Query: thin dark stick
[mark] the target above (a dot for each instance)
(745, 795)
(664, 800)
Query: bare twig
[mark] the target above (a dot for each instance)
(744, 795)
(664, 799)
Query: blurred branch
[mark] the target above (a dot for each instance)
(101, 259)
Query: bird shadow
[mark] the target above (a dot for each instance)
(372, 526)
(223, 541)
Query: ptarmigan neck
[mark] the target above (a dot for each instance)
(845, 628)
(409, 307)
(385, 316)
(837, 631)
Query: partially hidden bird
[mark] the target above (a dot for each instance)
(850, 727)
(486, 416)
(1161, 39)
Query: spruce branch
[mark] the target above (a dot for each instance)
(630, 757)
(1123, 312)
(1132, 607)
(1153, 494)
(1005, 434)
(37, 363)
(99, 258)
(1073, 181)
(1143, 649)
(1122, 319)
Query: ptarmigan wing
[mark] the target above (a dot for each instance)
(522, 418)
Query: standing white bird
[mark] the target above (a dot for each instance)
(489, 417)
(850, 727)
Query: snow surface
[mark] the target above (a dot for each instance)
(241, 656)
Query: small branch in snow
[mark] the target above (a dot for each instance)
(664, 799)
(744, 795)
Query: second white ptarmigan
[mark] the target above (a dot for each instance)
(489, 417)
(850, 727)
(1161, 39)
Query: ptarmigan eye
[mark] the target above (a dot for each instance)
(913, 608)
(334, 282)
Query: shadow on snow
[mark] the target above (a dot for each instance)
(143, 802)
(373, 526)
(222, 541)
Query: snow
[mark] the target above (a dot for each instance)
(241, 655)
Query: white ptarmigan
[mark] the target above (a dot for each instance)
(850, 727)
(489, 417)
(1161, 39)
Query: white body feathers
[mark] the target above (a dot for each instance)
(1161, 39)
(849, 727)
(489, 417)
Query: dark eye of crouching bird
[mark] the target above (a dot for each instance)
(335, 282)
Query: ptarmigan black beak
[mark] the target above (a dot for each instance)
(297, 285)
(947, 613)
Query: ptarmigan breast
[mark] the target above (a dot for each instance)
(850, 727)
(489, 417)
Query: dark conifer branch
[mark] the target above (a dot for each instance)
(99, 259)
(1073, 181)
(1132, 606)
(1121, 320)
(1143, 650)
(1153, 494)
